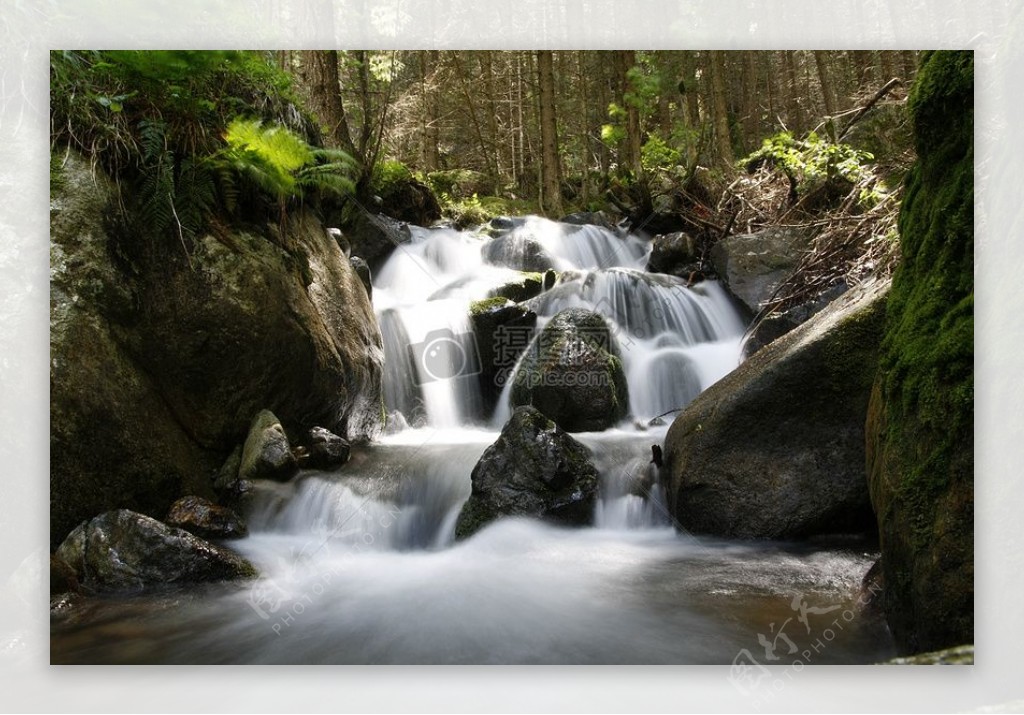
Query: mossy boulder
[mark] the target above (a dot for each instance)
(126, 551)
(920, 428)
(573, 374)
(160, 356)
(775, 450)
(533, 469)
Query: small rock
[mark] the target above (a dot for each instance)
(205, 519)
(326, 449)
(267, 454)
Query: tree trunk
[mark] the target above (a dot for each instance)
(865, 71)
(320, 75)
(551, 194)
(492, 117)
(751, 101)
(631, 147)
(827, 91)
(430, 133)
(723, 142)
(794, 113)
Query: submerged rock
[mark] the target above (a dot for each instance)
(753, 265)
(126, 551)
(533, 469)
(326, 449)
(573, 375)
(775, 449)
(528, 285)
(205, 519)
(266, 453)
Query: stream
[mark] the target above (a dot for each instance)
(361, 565)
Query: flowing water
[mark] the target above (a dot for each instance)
(361, 565)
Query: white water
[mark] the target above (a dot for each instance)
(361, 566)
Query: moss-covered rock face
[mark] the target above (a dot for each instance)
(533, 469)
(920, 429)
(775, 449)
(573, 373)
(160, 360)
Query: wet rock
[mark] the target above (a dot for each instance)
(573, 374)
(533, 469)
(775, 449)
(528, 285)
(596, 218)
(518, 252)
(502, 330)
(373, 236)
(326, 449)
(126, 551)
(362, 270)
(753, 265)
(205, 519)
(266, 453)
(676, 254)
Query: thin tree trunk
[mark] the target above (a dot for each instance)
(723, 141)
(429, 131)
(633, 138)
(794, 113)
(827, 91)
(751, 101)
(551, 194)
(492, 116)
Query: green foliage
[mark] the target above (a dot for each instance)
(387, 174)
(812, 161)
(457, 183)
(656, 155)
(167, 124)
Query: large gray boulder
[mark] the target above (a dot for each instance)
(126, 551)
(776, 448)
(754, 265)
(676, 254)
(573, 374)
(159, 359)
(533, 469)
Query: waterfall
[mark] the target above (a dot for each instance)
(360, 565)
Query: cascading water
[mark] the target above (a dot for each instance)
(360, 566)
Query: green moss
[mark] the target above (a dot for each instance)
(482, 306)
(921, 468)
